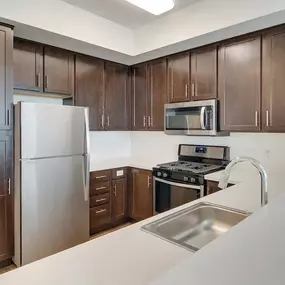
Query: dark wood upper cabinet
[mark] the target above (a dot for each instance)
(6, 200)
(204, 73)
(28, 65)
(89, 88)
(119, 199)
(178, 77)
(239, 84)
(116, 96)
(139, 97)
(156, 81)
(6, 77)
(58, 71)
(141, 194)
(273, 83)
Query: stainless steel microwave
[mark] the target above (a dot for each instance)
(198, 118)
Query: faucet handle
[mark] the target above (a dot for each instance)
(223, 183)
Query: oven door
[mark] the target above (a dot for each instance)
(191, 118)
(168, 194)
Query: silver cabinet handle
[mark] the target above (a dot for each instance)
(267, 118)
(144, 121)
(149, 121)
(38, 82)
(108, 121)
(186, 91)
(193, 89)
(102, 176)
(102, 120)
(256, 118)
(148, 181)
(115, 190)
(46, 81)
(100, 188)
(100, 211)
(9, 186)
(101, 200)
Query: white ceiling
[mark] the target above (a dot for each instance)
(123, 12)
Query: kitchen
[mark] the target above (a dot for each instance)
(236, 64)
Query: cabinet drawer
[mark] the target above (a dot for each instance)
(100, 215)
(98, 176)
(99, 200)
(119, 173)
(99, 188)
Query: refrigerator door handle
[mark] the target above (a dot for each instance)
(86, 157)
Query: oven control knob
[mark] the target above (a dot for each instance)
(158, 173)
(164, 174)
(193, 180)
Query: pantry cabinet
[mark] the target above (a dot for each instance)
(239, 84)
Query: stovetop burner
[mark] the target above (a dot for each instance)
(189, 166)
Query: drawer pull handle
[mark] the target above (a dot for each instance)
(100, 188)
(100, 211)
(101, 200)
(102, 176)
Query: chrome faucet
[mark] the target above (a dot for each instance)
(263, 175)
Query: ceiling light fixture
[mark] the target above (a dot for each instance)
(155, 7)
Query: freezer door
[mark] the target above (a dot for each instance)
(50, 130)
(54, 208)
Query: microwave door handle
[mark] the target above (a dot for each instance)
(202, 118)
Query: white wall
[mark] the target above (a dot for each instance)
(158, 147)
(110, 145)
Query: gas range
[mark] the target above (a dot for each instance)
(194, 161)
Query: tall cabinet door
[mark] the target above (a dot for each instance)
(119, 199)
(6, 83)
(89, 84)
(28, 65)
(239, 85)
(116, 96)
(204, 73)
(178, 77)
(156, 94)
(273, 80)
(139, 97)
(59, 71)
(6, 201)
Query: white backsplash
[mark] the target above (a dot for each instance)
(267, 148)
(109, 145)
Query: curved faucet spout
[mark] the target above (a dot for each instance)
(263, 175)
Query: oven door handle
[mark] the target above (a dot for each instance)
(178, 184)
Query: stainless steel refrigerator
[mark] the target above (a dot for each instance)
(51, 179)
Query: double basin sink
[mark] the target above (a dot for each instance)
(196, 226)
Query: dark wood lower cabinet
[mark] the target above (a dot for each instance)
(6, 199)
(141, 194)
(119, 199)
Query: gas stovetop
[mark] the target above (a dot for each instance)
(189, 167)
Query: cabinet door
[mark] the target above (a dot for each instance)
(204, 74)
(6, 83)
(139, 97)
(119, 199)
(116, 96)
(178, 78)
(273, 83)
(28, 65)
(141, 194)
(6, 208)
(239, 85)
(156, 94)
(89, 84)
(58, 71)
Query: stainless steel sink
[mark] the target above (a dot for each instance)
(196, 226)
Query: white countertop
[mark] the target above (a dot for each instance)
(249, 253)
